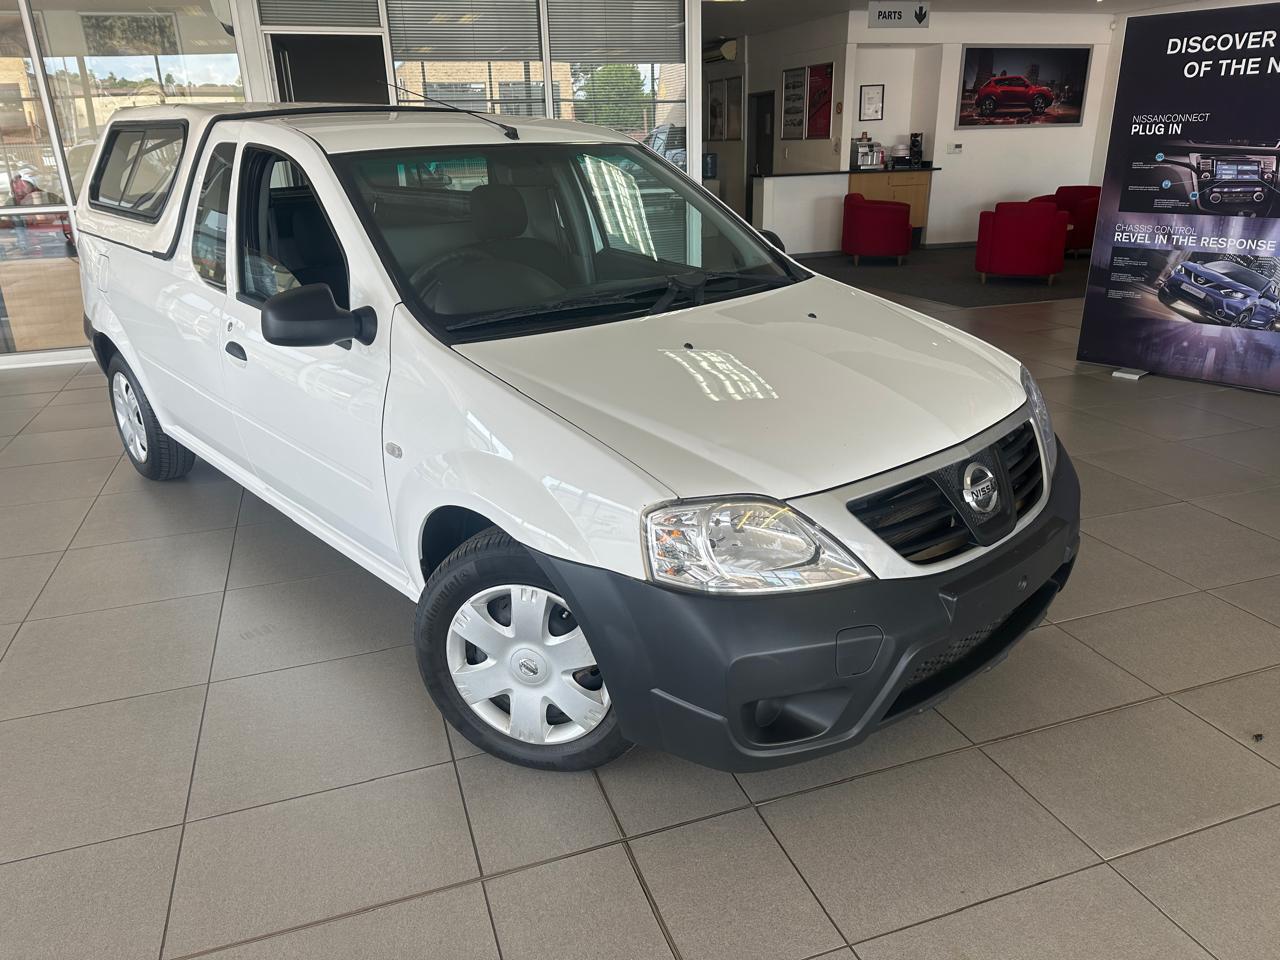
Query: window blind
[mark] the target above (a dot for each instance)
(319, 13)
(464, 30)
(640, 31)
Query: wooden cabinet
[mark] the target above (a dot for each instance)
(905, 186)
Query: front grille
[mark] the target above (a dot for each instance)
(954, 652)
(927, 520)
(1199, 280)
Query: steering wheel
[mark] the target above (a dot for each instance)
(424, 279)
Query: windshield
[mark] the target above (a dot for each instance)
(507, 240)
(1233, 271)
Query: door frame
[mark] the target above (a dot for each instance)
(749, 142)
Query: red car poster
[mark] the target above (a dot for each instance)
(819, 106)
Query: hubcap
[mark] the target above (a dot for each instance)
(523, 665)
(129, 417)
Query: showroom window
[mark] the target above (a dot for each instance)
(474, 54)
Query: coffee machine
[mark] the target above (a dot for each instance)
(916, 151)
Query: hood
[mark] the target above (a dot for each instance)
(783, 393)
(1215, 278)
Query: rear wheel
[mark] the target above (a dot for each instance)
(507, 663)
(987, 106)
(153, 453)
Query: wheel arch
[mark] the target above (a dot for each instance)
(445, 529)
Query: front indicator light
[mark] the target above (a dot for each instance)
(744, 546)
(1044, 422)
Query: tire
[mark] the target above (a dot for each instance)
(1039, 105)
(1165, 297)
(1242, 319)
(153, 453)
(987, 106)
(531, 674)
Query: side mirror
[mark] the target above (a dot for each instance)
(774, 239)
(307, 316)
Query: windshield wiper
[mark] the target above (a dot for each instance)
(559, 308)
(694, 285)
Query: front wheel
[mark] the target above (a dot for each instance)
(507, 663)
(153, 453)
(1244, 317)
(1039, 105)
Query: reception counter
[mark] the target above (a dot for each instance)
(806, 209)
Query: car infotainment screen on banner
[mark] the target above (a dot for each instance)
(1185, 278)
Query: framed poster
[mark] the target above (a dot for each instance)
(1184, 277)
(818, 107)
(871, 101)
(1022, 86)
(715, 110)
(733, 109)
(793, 112)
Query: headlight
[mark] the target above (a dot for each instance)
(743, 546)
(1234, 294)
(1044, 422)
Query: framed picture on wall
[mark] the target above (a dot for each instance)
(793, 112)
(733, 109)
(871, 101)
(817, 124)
(715, 110)
(1022, 86)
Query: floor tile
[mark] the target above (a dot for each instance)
(462, 747)
(34, 380)
(913, 738)
(63, 445)
(1192, 544)
(1222, 885)
(1259, 449)
(254, 509)
(649, 789)
(610, 917)
(1179, 470)
(125, 479)
(161, 510)
(521, 816)
(290, 863)
(1247, 708)
(1164, 419)
(21, 580)
(1259, 597)
(1178, 643)
(13, 422)
(908, 844)
(75, 416)
(1091, 914)
(306, 621)
(289, 732)
(1094, 389)
(726, 891)
(107, 655)
(402, 931)
(1083, 434)
(83, 393)
(95, 578)
(96, 773)
(276, 552)
(1106, 579)
(40, 527)
(1139, 775)
(100, 901)
(1260, 409)
(10, 403)
(1103, 492)
(54, 481)
(1047, 678)
(7, 630)
(1259, 510)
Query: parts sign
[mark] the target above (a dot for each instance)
(898, 13)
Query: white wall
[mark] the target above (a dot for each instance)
(814, 41)
(895, 67)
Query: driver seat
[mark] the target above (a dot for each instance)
(500, 218)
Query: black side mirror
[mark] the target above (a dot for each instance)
(307, 316)
(774, 239)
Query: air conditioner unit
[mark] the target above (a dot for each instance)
(720, 50)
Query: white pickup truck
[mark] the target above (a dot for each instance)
(648, 479)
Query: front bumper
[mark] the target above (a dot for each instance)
(1212, 305)
(748, 683)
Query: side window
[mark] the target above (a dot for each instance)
(209, 237)
(138, 168)
(284, 237)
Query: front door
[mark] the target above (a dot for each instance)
(330, 68)
(310, 418)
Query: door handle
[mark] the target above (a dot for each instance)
(236, 351)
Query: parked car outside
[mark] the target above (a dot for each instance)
(1011, 92)
(648, 479)
(1224, 292)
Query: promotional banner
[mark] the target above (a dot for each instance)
(1185, 277)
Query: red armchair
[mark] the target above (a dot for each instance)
(1021, 240)
(875, 228)
(1081, 205)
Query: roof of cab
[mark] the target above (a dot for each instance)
(345, 128)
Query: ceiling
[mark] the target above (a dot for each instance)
(755, 16)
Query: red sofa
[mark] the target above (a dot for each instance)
(875, 228)
(1081, 205)
(1021, 240)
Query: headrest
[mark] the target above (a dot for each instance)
(498, 211)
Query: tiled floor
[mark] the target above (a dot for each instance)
(213, 738)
